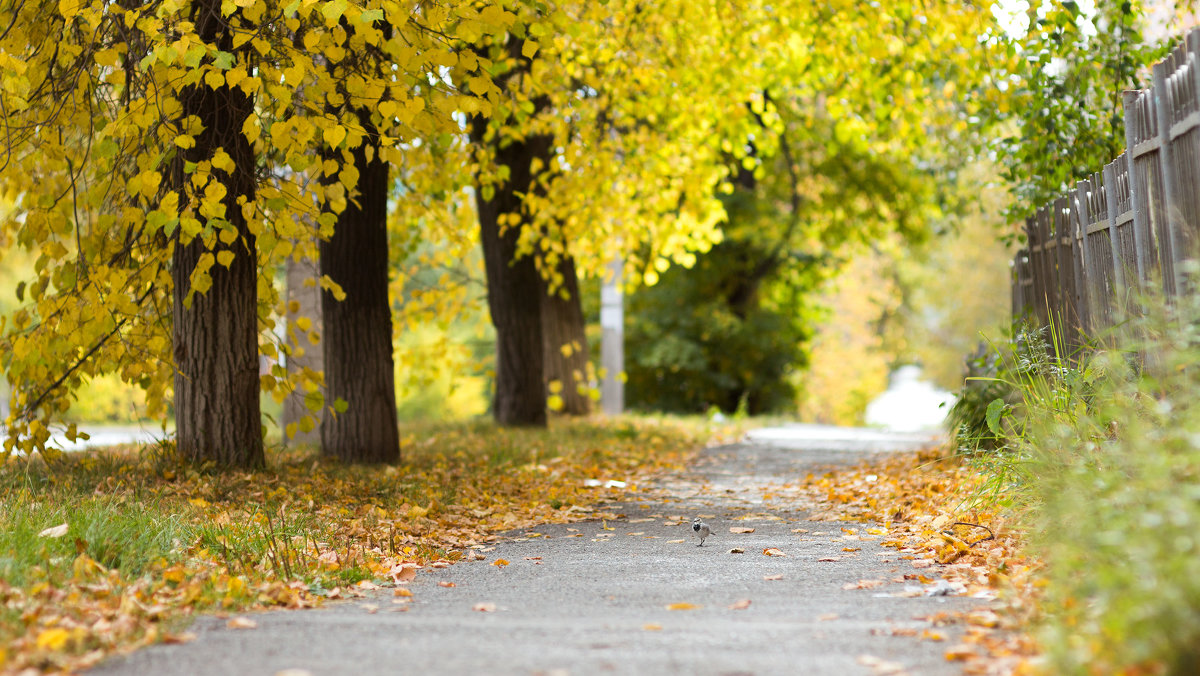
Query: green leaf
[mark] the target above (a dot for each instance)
(341, 405)
(996, 411)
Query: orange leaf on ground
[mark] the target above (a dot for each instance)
(683, 606)
(500, 562)
(444, 583)
(773, 551)
(485, 607)
(652, 626)
(401, 591)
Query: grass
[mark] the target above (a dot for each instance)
(150, 540)
(1101, 458)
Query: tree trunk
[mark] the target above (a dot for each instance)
(302, 278)
(216, 333)
(514, 285)
(358, 330)
(565, 338)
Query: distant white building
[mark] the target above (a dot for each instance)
(909, 404)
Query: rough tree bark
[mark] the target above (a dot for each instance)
(514, 284)
(358, 330)
(216, 333)
(565, 339)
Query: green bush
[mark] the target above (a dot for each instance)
(1111, 448)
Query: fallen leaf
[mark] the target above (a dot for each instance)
(863, 584)
(335, 593)
(475, 556)
(403, 572)
(241, 623)
(962, 651)
(367, 584)
(485, 607)
(683, 606)
(851, 549)
(830, 558)
(185, 637)
(737, 550)
(371, 608)
(740, 605)
(53, 639)
(827, 617)
(922, 563)
(773, 551)
(54, 532)
(401, 591)
(741, 529)
(500, 562)
(778, 576)
(881, 667)
(533, 558)
(652, 626)
(444, 583)
(675, 542)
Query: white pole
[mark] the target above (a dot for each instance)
(612, 341)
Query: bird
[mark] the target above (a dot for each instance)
(701, 529)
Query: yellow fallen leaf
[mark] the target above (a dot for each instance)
(741, 529)
(54, 532)
(241, 623)
(652, 626)
(401, 591)
(827, 617)
(53, 639)
(675, 542)
(500, 562)
(444, 583)
(683, 606)
(962, 651)
(773, 551)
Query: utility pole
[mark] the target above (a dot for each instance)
(612, 341)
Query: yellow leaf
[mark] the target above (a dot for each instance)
(214, 79)
(221, 160)
(529, 49)
(53, 639)
(334, 135)
(225, 257)
(69, 8)
(773, 551)
(555, 402)
(683, 606)
(500, 562)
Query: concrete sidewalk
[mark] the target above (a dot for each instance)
(594, 598)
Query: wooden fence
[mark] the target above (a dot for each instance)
(1128, 226)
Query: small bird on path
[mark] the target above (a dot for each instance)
(701, 529)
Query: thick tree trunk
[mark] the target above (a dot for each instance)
(216, 333)
(358, 329)
(564, 334)
(514, 286)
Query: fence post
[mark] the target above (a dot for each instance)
(1111, 201)
(1081, 210)
(1171, 188)
(1139, 201)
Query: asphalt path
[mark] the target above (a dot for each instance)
(629, 592)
